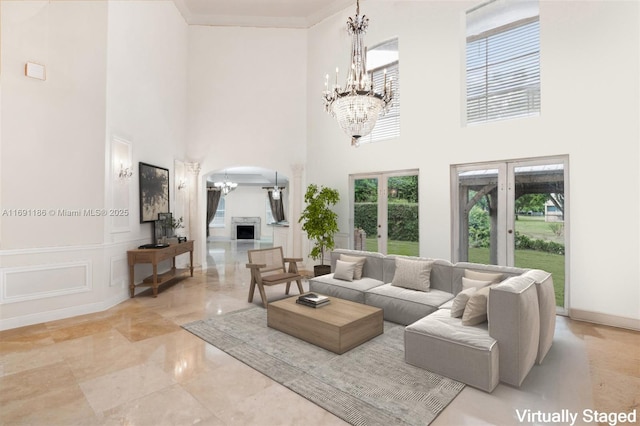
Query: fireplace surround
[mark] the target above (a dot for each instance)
(241, 228)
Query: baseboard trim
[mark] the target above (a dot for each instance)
(605, 319)
(58, 314)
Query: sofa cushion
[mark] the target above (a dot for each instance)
(412, 274)
(404, 306)
(441, 272)
(476, 310)
(349, 290)
(468, 282)
(460, 301)
(441, 344)
(358, 260)
(344, 270)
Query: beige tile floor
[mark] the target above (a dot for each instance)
(134, 365)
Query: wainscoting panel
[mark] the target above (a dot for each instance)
(119, 272)
(24, 283)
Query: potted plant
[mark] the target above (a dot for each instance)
(320, 223)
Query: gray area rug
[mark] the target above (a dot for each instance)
(369, 385)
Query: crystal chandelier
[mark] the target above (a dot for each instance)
(225, 186)
(357, 105)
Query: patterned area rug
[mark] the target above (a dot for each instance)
(369, 385)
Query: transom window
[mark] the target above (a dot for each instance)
(383, 57)
(503, 61)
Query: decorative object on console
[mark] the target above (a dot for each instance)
(154, 192)
(226, 186)
(357, 105)
(320, 223)
(162, 228)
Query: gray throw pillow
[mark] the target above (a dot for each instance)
(476, 310)
(494, 277)
(344, 270)
(358, 260)
(412, 274)
(460, 302)
(467, 283)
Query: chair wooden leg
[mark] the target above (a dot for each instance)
(252, 288)
(288, 287)
(263, 295)
(300, 289)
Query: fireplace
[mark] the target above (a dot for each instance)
(245, 232)
(245, 228)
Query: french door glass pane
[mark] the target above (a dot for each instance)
(402, 215)
(539, 221)
(365, 217)
(478, 216)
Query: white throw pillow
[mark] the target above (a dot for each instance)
(468, 283)
(344, 270)
(358, 260)
(476, 310)
(483, 276)
(460, 301)
(412, 274)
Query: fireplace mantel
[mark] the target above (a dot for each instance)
(245, 221)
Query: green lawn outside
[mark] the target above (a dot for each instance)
(535, 227)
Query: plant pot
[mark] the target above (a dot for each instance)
(321, 270)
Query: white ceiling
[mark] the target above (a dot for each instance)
(260, 13)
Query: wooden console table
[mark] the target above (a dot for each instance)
(155, 256)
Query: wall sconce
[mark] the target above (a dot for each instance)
(182, 184)
(125, 173)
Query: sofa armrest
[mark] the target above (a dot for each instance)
(514, 321)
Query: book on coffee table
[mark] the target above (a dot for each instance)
(311, 304)
(313, 300)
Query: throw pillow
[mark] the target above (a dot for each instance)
(476, 310)
(412, 274)
(460, 301)
(344, 270)
(483, 276)
(358, 260)
(468, 283)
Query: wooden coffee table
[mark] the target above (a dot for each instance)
(338, 327)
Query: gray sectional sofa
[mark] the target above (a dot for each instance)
(520, 312)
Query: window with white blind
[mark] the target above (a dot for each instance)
(380, 58)
(503, 65)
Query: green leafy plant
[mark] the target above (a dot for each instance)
(318, 220)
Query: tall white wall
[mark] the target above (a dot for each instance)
(106, 77)
(247, 101)
(590, 110)
(53, 130)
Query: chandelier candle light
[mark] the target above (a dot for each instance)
(357, 105)
(226, 186)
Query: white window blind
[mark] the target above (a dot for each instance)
(380, 58)
(218, 219)
(503, 72)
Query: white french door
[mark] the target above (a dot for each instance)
(513, 213)
(385, 212)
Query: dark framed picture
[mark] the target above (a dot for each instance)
(154, 191)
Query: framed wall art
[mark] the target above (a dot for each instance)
(154, 191)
